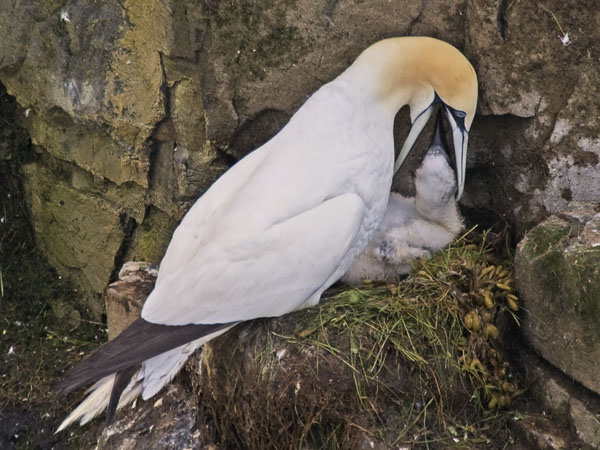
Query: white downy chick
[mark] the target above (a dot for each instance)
(414, 227)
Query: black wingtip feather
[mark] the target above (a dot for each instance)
(138, 342)
(121, 381)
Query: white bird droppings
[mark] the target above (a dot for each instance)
(64, 16)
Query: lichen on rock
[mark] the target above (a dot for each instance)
(136, 107)
(64, 212)
(558, 268)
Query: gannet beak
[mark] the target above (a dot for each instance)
(436, 74)
(415, 130)
(439, 135)
(460, 140)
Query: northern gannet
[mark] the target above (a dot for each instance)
(414, 227)
(285, 222)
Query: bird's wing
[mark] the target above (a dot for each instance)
(269, 274)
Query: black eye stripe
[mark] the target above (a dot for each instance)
(457, 114)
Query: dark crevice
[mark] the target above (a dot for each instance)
(152, 142)
(416, 20)
(255, 131)
(128, 225)
(236, 106)
(152, 158)
(164, 87)
(501, 19)
(224, 157)
(17, 236)
(200, 38)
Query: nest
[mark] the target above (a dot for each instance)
(416, 362)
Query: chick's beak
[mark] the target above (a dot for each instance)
(439, 135)
(460, 138)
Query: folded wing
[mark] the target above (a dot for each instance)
(269, 274)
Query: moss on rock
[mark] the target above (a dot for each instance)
(150, 238)
(43, 321)
(558, 275)
(91, 149)
(80, 233)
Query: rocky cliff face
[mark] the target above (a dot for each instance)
(136, 107)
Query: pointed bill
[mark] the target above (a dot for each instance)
(460, 140)
(415, 130)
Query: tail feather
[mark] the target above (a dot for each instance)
(161, 369)
(140, 341)
(122, 380)
(98, 399)
(125, 383)
(92, 406)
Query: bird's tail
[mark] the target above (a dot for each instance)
(98, 398)
(140, 361)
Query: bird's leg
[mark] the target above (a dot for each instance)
(384, 251)
(395, 249)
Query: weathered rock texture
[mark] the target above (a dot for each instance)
(558, 276)
(135, 107)
(167, 421)
(563, 414)
(125, 297)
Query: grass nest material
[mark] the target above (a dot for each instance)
(417, 362)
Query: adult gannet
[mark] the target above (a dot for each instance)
(416, 226)
(285, 222)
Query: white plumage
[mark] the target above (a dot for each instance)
(288, 220)
(413, 227)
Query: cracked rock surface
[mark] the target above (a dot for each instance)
(557, 273)
(135, 107)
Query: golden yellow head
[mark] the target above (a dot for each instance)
(420, 72)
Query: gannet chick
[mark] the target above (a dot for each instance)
(285, 222)
(414, 227)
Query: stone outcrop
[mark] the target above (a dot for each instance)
(558, 277)
(562, 414)
(125, 297)
(135, 107)
(113, 105)
(167, 421)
